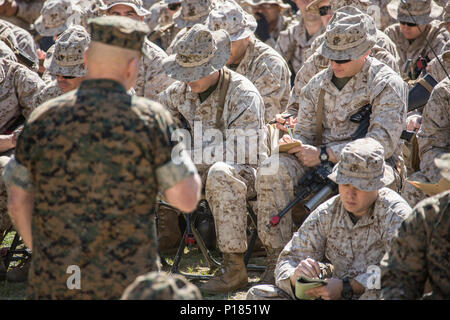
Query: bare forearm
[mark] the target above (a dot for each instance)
(20, 207)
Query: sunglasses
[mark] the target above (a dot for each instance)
(323, 11)
(408, 24)
(174, 6)
(67, 77)
(341, 61)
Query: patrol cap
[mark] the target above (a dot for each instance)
(443, 163)
(423, 11)
(349, 35)
(230, 17)
(137, 6)
(362, 165)
(120, 32)
(161, 286)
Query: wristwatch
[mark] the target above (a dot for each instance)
(347, 291)
(323, 154)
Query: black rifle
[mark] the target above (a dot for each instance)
(314, 184)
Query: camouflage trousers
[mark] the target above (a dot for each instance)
(412, 194)
(228, 186)
(275, 189)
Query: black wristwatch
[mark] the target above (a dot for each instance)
(323, 154)
(347, 291)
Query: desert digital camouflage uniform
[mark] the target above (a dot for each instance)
(94, 183)
(378, 11)
(420, 249)
(293, 43)
(19, 94)
(329, 234)
(19, 38)
(6, 52)
(435, 69)
(190, 13)
(261, 64)
(161, 286)
(228, 182)
(152, 79)
(316, 63)
(433, 139)
(27, 12)
(425, 13)
(376, 84)
(283, 22)
(57, 15)
(165, 30)
(435, 35)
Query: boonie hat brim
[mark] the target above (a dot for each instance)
(189, 74)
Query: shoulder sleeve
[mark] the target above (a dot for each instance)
(172, 164)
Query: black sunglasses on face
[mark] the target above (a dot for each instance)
(409, 24)
(323, 11)
(174, 6)
(341, 61)
(67, 77)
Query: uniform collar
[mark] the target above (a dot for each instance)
(102, 84)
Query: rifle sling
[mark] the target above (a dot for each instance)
(319, 114)
(425, 84)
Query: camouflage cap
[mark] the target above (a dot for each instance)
(192, 12)
(349, 35)
(161, 286)
(56, 16)
(137, 5)
(280, 3)
(198, 53)
(119, 31)
(423, 11)
(362, 165)
(231, 17)
(443, 163)
(66, 56)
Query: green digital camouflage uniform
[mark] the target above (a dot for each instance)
(97, 158)
(420, 252)
(161, 286)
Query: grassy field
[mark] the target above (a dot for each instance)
(192, 262)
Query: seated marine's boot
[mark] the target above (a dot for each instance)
(231, 276)
(268, 276)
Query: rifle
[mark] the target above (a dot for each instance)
(314, 184)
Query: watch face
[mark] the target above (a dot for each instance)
(323, 157)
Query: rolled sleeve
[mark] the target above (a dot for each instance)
(17, 175)
(175, 171)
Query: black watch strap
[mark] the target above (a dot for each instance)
(323, 154)
(347, 291)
